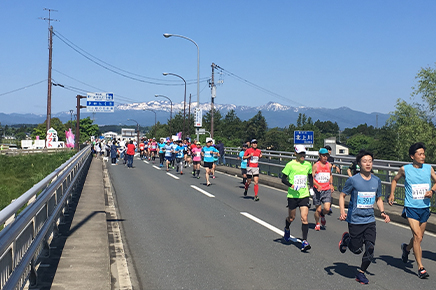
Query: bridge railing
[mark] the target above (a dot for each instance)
(27, 238)
(273, 162)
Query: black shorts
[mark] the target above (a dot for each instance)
(293, 203)
(208, 165)
(178, 160)
(243, 171)
(360, 233)
(196, 162)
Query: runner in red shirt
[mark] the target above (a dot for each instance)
(252, 155)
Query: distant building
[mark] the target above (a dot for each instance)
(110, 135)
(337, 149)
(127, 133)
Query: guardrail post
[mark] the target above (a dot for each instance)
(32, 275)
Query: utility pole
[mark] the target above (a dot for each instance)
(212, 100)
(50, 50)
(77, 137)
(71, 122)
(189, 116)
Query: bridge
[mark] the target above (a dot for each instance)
(145, 228)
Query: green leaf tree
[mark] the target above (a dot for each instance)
(426, 87)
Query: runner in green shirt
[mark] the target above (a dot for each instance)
(297, 174)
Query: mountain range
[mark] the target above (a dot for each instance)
(276, 115)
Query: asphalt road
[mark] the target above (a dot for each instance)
(182, 238)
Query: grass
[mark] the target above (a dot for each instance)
(19, 173)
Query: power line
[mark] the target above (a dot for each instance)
(23, 88)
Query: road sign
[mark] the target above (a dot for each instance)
(303, 138)
(198, 117)
(100, 102)
(201, 131)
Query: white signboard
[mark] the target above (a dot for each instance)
(100, 102)
(52, 138)
(198, 122)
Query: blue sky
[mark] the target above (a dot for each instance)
(360, 54)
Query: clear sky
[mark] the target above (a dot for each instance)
(360, 54)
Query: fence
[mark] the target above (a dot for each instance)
(27, 238)
(14, 152)
(273, 162)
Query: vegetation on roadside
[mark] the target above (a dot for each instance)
(19, 173)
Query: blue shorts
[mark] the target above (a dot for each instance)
(168, 158)
(419, 214)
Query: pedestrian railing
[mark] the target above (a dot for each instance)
(26, 238)
(273, 162)
(15, 152)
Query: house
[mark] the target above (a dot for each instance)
(337, 149)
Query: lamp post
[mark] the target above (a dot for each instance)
(137, 129)
(154, 117)
(171, 110)
(71, 120)
(184, 102)
(167, 35)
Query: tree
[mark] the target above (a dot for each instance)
(426, 87)
(55, 123)
(358, 142)
(256, 128)
(87, 129)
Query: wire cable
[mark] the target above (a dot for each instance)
(22, 88)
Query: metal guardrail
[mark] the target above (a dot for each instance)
(15, 152)
(24, 240)
(273, 162)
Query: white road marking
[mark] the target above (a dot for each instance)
(268, 226)
(172, 175)
(158, 168)
(146, 161)
(202, 191)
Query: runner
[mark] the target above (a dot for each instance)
(208, 153)
(168, 148)
(322, 186)
(364, 190)
(187, 154)
(297, 174)
(243, 163)
(141, 149)
(196, 158)
(193, 145)
(174, 144)
(215, 162)
(252, 156)
(153, 149)
(418, 192)
(180, 153)
(161, 146)
(331, 160)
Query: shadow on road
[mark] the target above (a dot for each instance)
(343, 269)
(429, 255)
(397, 263)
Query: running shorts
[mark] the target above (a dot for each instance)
(293, 203)
(208, 165)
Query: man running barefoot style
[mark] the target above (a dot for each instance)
(364, 189)
(322, 186)
(297, 174)
(252, 155)
(418, 192)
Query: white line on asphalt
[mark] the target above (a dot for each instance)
(268, 226)
(158, 168)
(146, 161)
(202, 191)
(172, 175)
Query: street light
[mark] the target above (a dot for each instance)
(154, 117)
(184, 102)
(137, 128)
(167, 35)
(171, 110)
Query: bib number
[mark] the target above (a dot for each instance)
(254, 159)
(322, 177)
(300, 181)
(365, 199)
(419, 190)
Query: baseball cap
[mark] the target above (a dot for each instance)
(323, 151)
(244, 145)
(299, 149)
(198, 143)
(328, 147)
(253, 141)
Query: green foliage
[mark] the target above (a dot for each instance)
(20, 173)
(87, 129)
(426, 87)
(55, 123)
(255, 128)
(358, 142)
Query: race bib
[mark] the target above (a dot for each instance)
(419, 190)
(198, 154)
(207, 154)
(365, 199)
(322, 177)
(300, 181)
(254, 159)
(153, 147)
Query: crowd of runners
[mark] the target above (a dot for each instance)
(306, 180)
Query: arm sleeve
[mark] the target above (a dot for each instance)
(285, 180)
(310, 177)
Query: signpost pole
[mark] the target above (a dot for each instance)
(77, 137)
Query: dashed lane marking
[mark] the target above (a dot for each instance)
(154, 166)
(202, 191)
(172, 175)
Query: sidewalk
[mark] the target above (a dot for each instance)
(394, 211)
(80, 256)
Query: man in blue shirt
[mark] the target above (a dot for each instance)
(243, 163)
(418, 192)
(208, 153)
(180, 154)
(168, 153)
(364, 189)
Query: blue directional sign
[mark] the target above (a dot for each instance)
(303, 138)
(100, 102)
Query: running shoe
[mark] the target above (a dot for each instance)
(422, 273)
(213, 176)
(181, 173)
(305, 246)
(361, 278)
(177, 170)
(323, 221)
(198, 177)
(405, 254)
(317, 227)
(208, 184)
(256, 198)
(343, 243)
(160, 165)
(287, 236)
(193, 173)
(245, 192)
